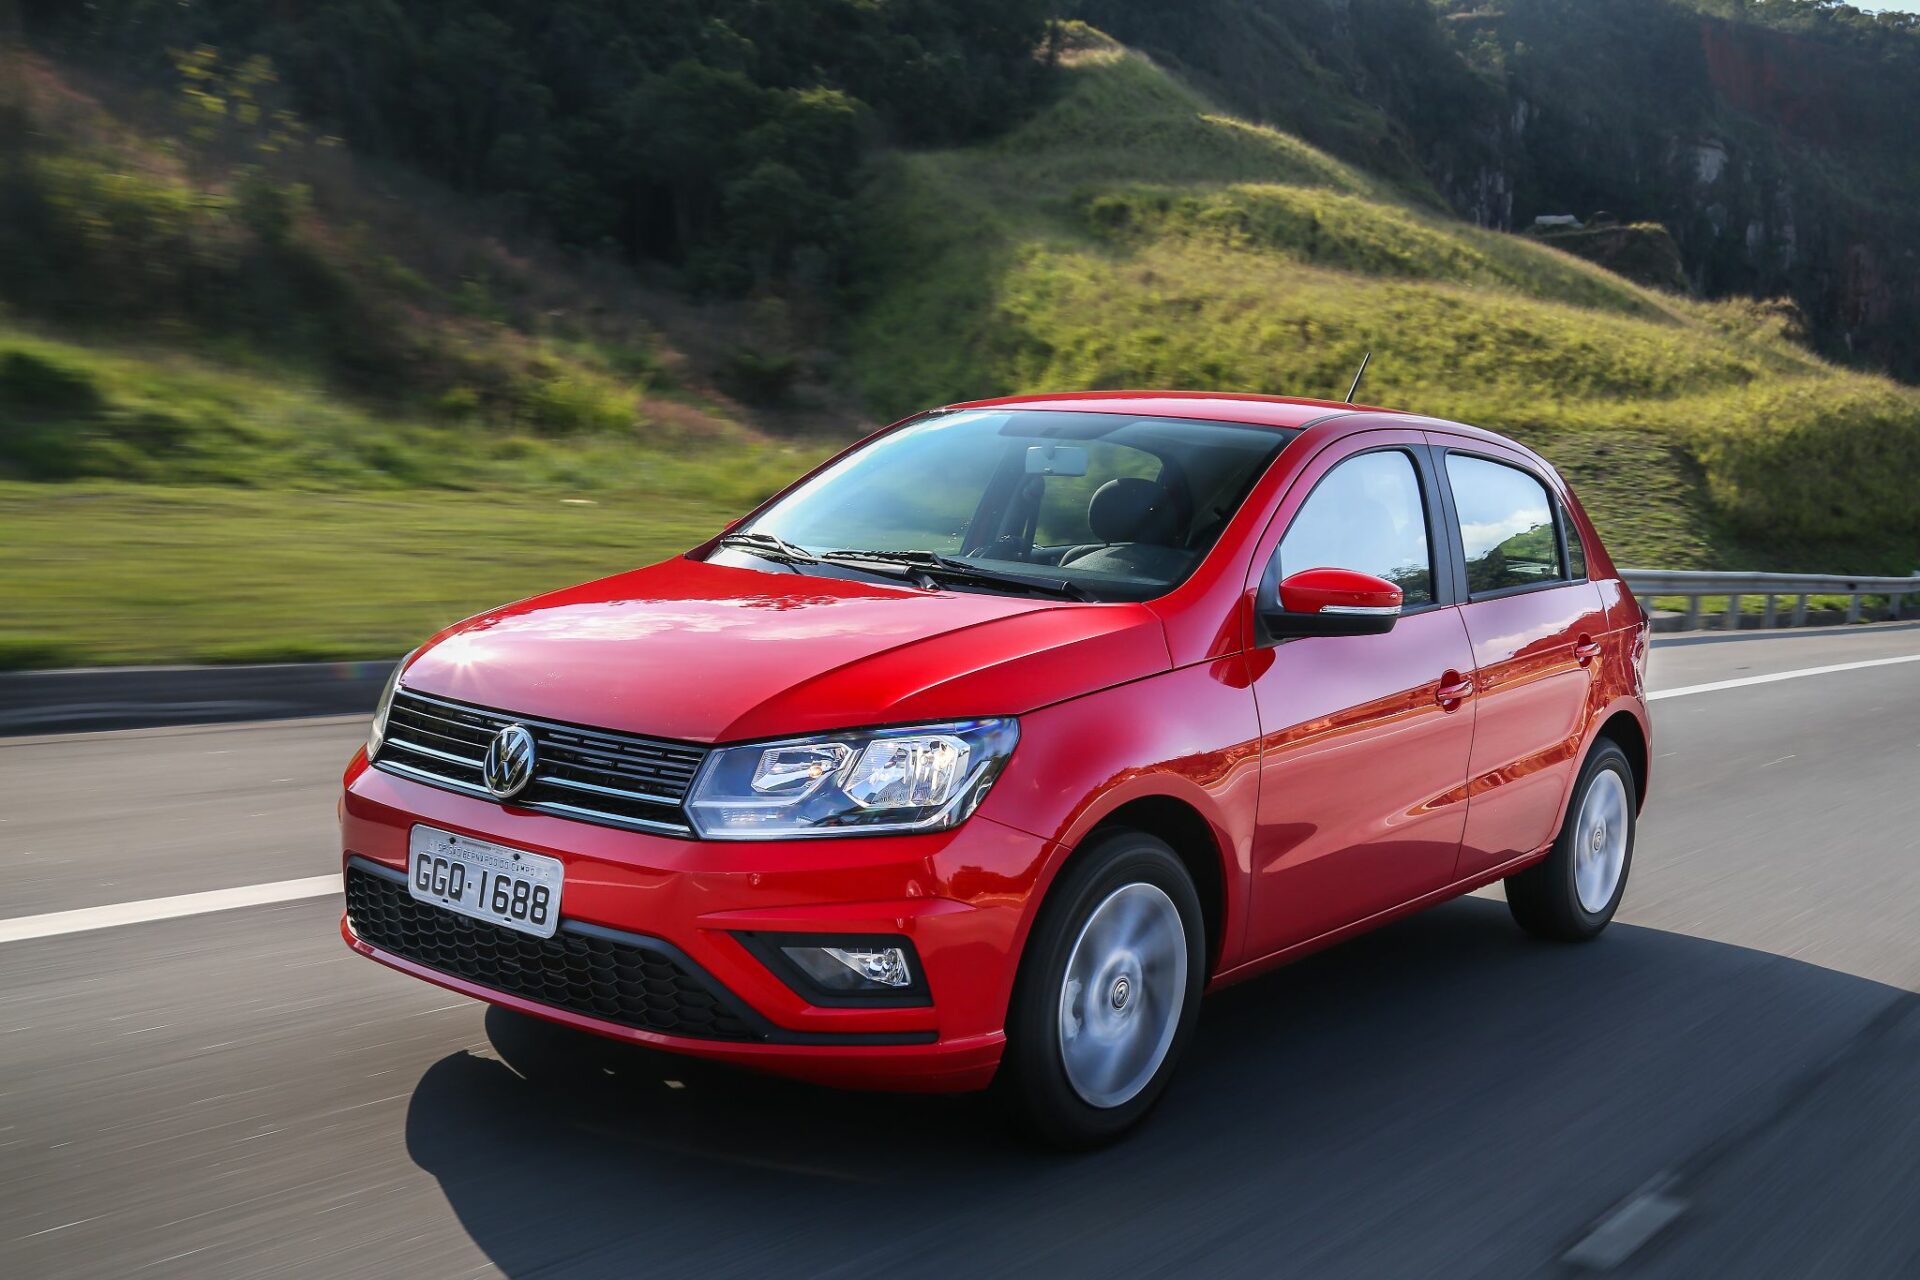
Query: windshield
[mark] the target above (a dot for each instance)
(1091, 505)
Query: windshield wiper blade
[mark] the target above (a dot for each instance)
(932, 564)
(771, 547)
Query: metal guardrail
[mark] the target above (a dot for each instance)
(1774, 587)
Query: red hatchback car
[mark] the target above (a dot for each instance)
(976, 756)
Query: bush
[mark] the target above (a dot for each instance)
(572, 403)
(33, 386)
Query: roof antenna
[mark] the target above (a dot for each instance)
(1354, 390)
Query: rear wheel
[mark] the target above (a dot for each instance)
(1108, 992)
(1572, 894)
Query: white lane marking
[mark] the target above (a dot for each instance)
(1620, 1234)
(54, 923)
(63, 1226)
(1744, 681)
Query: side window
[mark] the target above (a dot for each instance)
(1366, 514)
(1506, 525)
(1064, 502)
(1576, 551)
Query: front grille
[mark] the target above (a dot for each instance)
(612, 779)
(623, 978)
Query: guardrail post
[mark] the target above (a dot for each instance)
(1693, 613)
(1733, 613)
(1800, 610)
(1773, 612)
(1853, 607)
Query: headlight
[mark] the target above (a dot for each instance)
(925, 778)
(377, 732)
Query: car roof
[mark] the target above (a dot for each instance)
(1216, 406)
(1290, 412)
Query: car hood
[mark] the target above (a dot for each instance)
(712, 653)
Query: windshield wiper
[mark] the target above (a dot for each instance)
(933, 566)
(770, 546)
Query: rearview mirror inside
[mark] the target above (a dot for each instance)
(1056, 460)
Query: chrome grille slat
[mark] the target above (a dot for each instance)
(594, 789)
(473, 734)
(444, 724)
(674, 782)
(418, 732)
(434, 753)
(592, 775)
(603, 819)
(651, 754)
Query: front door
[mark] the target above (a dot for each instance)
(1364, 739)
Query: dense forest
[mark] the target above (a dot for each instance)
(724, 136)
(728, 138)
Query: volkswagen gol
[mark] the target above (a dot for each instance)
(977, 755)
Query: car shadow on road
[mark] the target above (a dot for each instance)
(1444, 1096)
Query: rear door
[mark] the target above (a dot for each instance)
(1535, 623)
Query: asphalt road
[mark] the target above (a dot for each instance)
(233, 1094)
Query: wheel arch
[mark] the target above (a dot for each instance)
(1194, 839)
(1624, 730)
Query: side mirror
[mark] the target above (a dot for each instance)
(1332, 602)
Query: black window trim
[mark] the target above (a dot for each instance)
(1446, 575)
(1457, 542)
(1568, 532)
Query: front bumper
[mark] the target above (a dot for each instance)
(961, 897)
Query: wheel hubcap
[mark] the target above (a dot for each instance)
(1120, 1002)
(1600, 852)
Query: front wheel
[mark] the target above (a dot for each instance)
(1108, 993)
(1571, 895)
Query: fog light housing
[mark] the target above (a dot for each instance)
(833, 969)
(853, 968)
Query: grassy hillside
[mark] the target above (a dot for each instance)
(256, 400)
(247, 305)
(1133, 235)
(1504, 112)
(259, 399)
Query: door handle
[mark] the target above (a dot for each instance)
(1454, 689)
(1586, 650)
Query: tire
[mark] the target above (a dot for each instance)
(1567, 896)
(1097, 1026)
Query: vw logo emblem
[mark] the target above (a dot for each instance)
(509, 764)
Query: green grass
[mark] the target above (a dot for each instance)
(1133, 236)
(70, 411)
(107, 573)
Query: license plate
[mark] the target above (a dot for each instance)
(509, 887)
